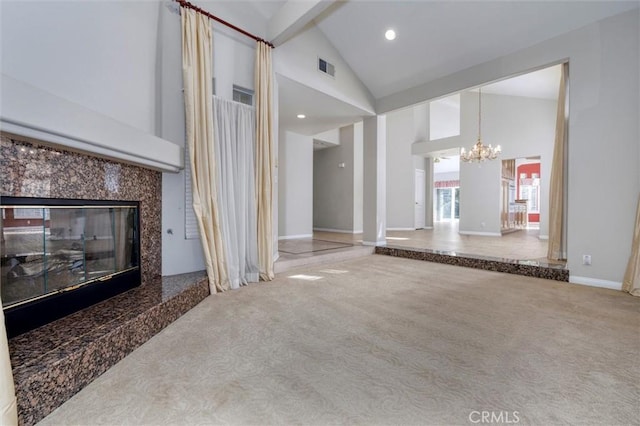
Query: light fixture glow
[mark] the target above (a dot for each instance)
(390, 34)
(301, 116)
(480, 152)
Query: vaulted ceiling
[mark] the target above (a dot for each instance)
(437, 38)
(434, 39)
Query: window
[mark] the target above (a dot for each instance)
(447, 204)
(243, 95)
(530, 191)
(444, 117)
(33, 213)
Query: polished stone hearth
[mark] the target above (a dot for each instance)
(53, 362)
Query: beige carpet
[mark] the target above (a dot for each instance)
(382, 340)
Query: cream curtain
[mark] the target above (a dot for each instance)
(197, 45)
(557, 240)
(8, 406)
(122, 224)
(264, 158)
(235, 131)
(631, 281)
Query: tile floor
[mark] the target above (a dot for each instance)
(520, 245)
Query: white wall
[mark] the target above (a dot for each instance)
(295, 178)
(524, 127)
(421, 122)
(297, 59)
(101, 55)
(248, 18)
(437, 177)
(604, 88)
(330, 136)
(444, 116)
(400, 170)
(120, 59)
(333, 186)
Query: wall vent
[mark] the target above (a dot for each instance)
(326, 67)
(243, 95)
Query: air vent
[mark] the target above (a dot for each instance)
(326, 67)
(243, 95)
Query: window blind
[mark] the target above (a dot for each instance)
(190, 222)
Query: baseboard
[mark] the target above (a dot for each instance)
(295, 237)
(543, 237)
(595, 282)
(371, 243)
(341, 231)
(401, 229)
(481, 234)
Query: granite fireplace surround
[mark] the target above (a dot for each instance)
(52, 363)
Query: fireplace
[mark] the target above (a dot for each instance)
(40, 173)
(58, 256)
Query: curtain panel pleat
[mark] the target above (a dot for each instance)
(557, 240)
(197, 45)
(631, 281)
(234, 125)
(264, 158)
(8, 405)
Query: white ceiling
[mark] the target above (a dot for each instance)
(434, 38)
(437, 38)
(447, 164)
(323, 112)
(267, 8)
(542, 84)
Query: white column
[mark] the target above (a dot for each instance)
(375, 180)
(428, 188)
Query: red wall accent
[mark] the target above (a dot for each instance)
(528, 169)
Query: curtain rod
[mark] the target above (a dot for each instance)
(185, 3)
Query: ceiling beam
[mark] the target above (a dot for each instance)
(292, 17)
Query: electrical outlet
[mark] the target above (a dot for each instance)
(586, 259)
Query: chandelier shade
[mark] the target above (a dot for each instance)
(480, 152)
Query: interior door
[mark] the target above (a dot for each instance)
(420, 199)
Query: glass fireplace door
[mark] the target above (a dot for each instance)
(51, 249)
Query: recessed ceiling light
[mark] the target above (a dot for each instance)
(301, 116)
(390, 34)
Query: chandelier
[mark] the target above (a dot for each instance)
(480, 152)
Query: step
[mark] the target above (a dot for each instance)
(330, 256)
(527, 268)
